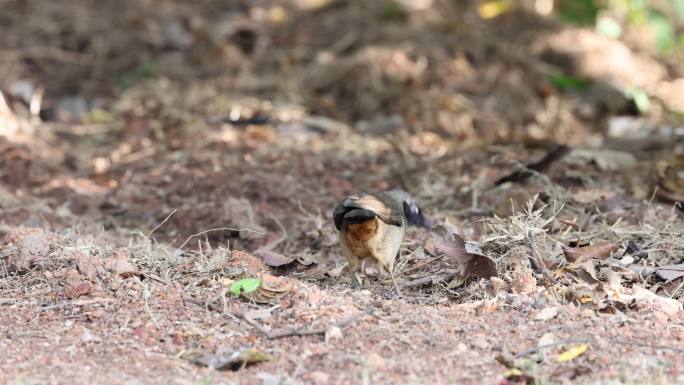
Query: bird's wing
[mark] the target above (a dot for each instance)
(367, 203)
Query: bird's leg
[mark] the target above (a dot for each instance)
(357, 280)
(354, 267)
(389, 269)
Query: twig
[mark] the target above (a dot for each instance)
(308, 332)
(419, 265)
(146, 296)
(551, 345)
(207, 305)
(536, 260)
(156, 278)
(51, 53)
(428, 279)
(8, 301)
(556, 153)
(30, 333)
(162, 222)
(586, 341)
(216, 229)
(77, 303)
(676, 291)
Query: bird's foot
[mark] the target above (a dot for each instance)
(357, 281)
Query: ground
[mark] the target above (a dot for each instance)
(152, 156)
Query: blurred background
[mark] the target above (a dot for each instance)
(118, 112)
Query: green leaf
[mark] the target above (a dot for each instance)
(568, 82)
(581, 12)
(141, 71)
(678, 6)
(663, 31)
(608, 27)
(640, 98)
(390, 11)
(245, 285)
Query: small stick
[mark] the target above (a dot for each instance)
(156, 278)
(216, 229)
(551, 345)
(419, 265)
(8, 301)
(582, 341)
(298, 332)
(676, 291)
(162, 222)
(428, 279)
(77, 303)
(536, 260)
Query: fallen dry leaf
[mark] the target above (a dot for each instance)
(271, 289)
(670, 173)
(273, 259)
(599, 250)
(122, 267)
(248, 262)
(78, 290)
(232, 360)
(639, 297)
(572, 353)
(670, 272)
(451, 243)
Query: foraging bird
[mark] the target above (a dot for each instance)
(372, 226)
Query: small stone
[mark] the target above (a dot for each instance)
(87, 336)
(375, 361)
(497, 284)
(547, 313)
(71, 109)
(523, 282)
(320, 378)
(333, 333)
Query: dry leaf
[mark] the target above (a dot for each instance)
(572, 353)
(271, 289)
(599, 250)
(670, 272)
(670, 174)
(451, 243)
(639, 296)
(232, 360)
(78, 290)
(273, 259)
(248, 262)
(122, 267)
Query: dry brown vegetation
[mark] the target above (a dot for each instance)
(154, 153)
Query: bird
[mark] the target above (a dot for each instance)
(371, 228)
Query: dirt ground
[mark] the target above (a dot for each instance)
(153, 154)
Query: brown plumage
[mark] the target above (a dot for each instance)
(372, 227)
